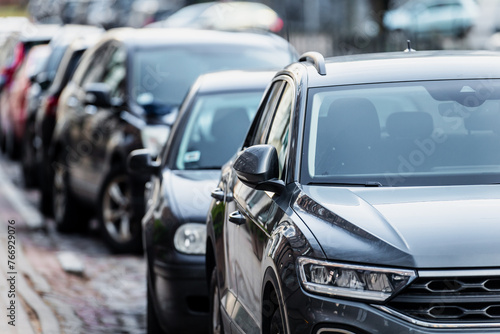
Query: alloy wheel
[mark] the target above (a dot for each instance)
(116, 209)
(60, 191)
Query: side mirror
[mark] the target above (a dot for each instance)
(98, 94)
(258, 168)
(141, 162)
(42, 79)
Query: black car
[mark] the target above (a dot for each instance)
(365, 200)
(211, 127)
(37, 155)
(38, 91)
(123, 96)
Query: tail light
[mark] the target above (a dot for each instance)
(51, 105)
(277, 25)
(9, 71)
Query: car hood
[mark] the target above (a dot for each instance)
(189, 192)
(417, 227)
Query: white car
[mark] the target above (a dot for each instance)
(424, 17)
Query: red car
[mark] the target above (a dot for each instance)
(16, 115)
(16, 49)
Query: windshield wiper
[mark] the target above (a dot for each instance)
(348, 184)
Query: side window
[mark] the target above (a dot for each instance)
(94, 70)
(280, 128)
(259, 136)
(114, 74)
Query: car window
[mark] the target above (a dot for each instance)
(415, 133)
(93, 68)
(114, 74)
(280, 128)
(266, 116)
(161, 76)
(216, 128)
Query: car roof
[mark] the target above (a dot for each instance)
(69, 32)
(233, 81)
(404, 66)
(145, 37)
(39, 33)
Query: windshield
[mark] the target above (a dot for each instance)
(216, 128)
(402, 134)
(162, 77)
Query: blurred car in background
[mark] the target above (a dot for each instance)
(144, 12)
(15, 50)
(58, 45)
(212, 124)
(17, 103)
(233, 15)
(45, 119)
(124, 96)
(12, 24)
(427, 17)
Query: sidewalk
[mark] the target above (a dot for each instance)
(21, 288)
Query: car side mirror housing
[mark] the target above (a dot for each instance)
(42, 79)
(258, 168)
(141, 162)
(98, 94)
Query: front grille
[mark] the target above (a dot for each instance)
(451, 300)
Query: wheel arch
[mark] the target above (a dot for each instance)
(271, 299)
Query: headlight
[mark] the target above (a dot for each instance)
(154, 137)
(353, 281)
(190, 238)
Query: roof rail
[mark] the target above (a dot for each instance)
(317, 59)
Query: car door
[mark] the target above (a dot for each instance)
(257, 134)
(261, 213)
(103, 125)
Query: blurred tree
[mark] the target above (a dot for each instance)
(379, 8)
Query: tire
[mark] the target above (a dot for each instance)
(12, 146)
(276, 326)
(46, 178)
(68, 214)
(30, 172)
(216, 326)
(3, 144)
(153, 324)
(120, 213)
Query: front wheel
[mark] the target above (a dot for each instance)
(152, 319)
(120, 214)
(68, 214)
(215, 315)
(28, 157)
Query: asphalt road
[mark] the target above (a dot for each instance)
(99, 292)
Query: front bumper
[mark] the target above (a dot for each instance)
(182, 297)
(307, 313)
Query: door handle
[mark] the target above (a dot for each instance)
(237, 218)
(218, 194)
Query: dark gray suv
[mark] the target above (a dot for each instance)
(365, 200)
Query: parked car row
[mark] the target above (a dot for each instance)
(124, 95)
(354, 195)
